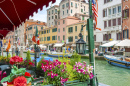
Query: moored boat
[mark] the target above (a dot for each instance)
(118, 61)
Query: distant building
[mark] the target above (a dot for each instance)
(33, 23)
(125, 19)
(109, 20)
(10, 36)
(75, 8)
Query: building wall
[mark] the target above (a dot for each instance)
(50, 14)
(69, 20)
(113, 30)
(76, 33)
(31, 22)
(126, 21)
(43, 37)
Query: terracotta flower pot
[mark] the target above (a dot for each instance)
(29, 84)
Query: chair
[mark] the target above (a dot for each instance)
(5, 68)
(32, 73)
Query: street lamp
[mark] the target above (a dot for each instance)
(80, 45)
(37, 52)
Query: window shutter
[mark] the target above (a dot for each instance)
(123, 34)
(127, 33)
(107, 37)
(122, 13)
(109, 23)
(119, 21)
(127, 12)
(103, 37)
(104, 1)
(120, 36)
(117, 36)
(103, 13)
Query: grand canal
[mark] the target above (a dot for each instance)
(108, 74)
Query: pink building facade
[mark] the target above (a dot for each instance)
(61, 30)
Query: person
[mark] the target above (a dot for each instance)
(122, 49)
(96, 50)
(105, 50)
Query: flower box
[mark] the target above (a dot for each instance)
(29, 84)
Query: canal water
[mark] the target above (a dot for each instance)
(108, 74)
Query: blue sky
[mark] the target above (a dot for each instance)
(42, 15)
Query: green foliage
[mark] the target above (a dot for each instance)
(28, 58)
(14, 55)
(75, 58)
(40, 64)
(15, 72)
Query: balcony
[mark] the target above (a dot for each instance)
(113, 28)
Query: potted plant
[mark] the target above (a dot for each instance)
(18, 77)
(63, 73)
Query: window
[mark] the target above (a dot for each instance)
(59, 30)
(71, 10)
(109, 11)
(82, 17)
(67, 10)
(81, 10)
(75, 28)
(70, 29)
(125, 13)
(59, 23)
(49, 31)
(52, 17)
(41, 27)
(55, 22)
(114, 10)
(119, 36)
(52, 11)
(45, 32)
(63, 21)
(105, 24)
(58, 38)
(94, 37)
(55, 16)
(119, 9)
(67, 4)
(48, 38)
(106, 1)
(63, 6)
(30, 28)
(75, 5)
(63, 29)
(105, 13)
(81, 27)
(114, 22)
(42, 32)
(70, 39)
(126, 33)
(53, 38)
(76, 37)
(109, 23)
(54, 30)
(55, 11)
(109, 36)
(71, 4)
(63, 12)
(84, 8)
(44, 38)
(119, 21)
(63, 37)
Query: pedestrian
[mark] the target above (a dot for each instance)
(96, 50)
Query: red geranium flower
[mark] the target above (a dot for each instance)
(15, 59)
(20, 81)
(30, 63)
(9, 83)
(27, 74)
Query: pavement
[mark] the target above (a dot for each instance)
(100, 84)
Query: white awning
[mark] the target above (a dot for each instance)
(73, 45)
(58, 44)
(42, 46)
(109, 44)
(124, 43)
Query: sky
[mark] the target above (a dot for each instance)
(42, 15)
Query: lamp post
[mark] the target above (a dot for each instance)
(37, 51)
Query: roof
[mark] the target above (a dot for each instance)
(109, 44)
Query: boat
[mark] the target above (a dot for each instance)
(120, 61)
(56, 54)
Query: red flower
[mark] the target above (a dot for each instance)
(15, 59)
(30, 63)
(9, 83)
(27, 74)
(20, 81)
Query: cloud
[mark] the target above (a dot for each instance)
(42, 15)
